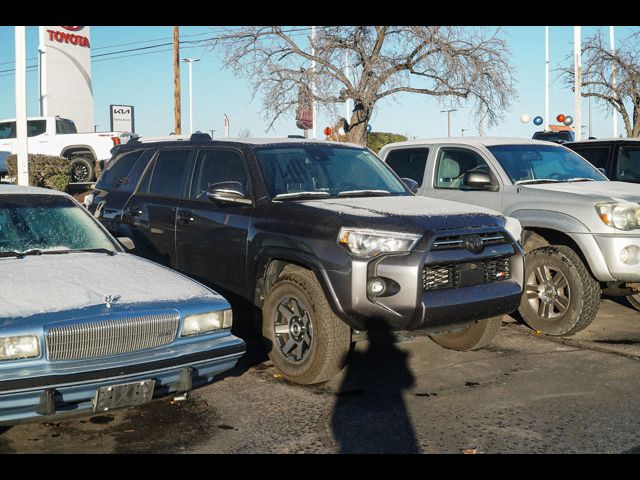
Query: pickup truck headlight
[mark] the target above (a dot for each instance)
(23, 346)
(207, 322)
(620, 215)
(369, 243)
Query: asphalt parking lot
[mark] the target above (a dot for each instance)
(526, 393)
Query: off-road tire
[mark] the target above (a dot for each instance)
(331, 337)
(82, 169)
(475, 336)
(584, 292)
(634, 300)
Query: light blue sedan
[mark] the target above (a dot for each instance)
(86, 326)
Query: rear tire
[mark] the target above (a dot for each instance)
(82, 169)
(473, 337)
(634, 300)
(305, 340)
(560, 295)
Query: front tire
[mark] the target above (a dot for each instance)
(82, 169)
(473, 337)
(634, 300)
(560, 295)
(305, 340)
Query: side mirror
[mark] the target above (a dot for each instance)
(411, 184)
(230, 192)
(127, 243)
(478, 180)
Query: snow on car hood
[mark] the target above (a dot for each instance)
(50, 283)
(594, 190)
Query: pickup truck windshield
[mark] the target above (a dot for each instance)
(47, 223)
(305, 171)
(542, 163)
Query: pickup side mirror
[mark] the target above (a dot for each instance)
(127, 243)
(478, 180)
(229, 192)
(411, 184)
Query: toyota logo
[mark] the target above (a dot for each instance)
(473, 243)
(74, 29)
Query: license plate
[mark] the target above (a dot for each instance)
(471, 274)
(123, 395)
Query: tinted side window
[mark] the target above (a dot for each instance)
(166, 177)
(628, 165)
(452, 165)
(7, 130)
(116, 175)
(409, 162)
(36, 127)
(215, 166)
(65, 127)
(597, 156)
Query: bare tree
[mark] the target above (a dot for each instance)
(611, 77)
(454, 64)
(245, 133)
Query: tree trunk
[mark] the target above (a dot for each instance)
(635, 133)
(358, 128)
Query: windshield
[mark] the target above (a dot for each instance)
(324, 170)
(544, 163)
(47, 222)
(628, 165)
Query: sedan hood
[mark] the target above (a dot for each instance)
(62, 282)
(593, 190)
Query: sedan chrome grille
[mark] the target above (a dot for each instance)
(110, 337)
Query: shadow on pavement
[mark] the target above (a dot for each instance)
(370, 415)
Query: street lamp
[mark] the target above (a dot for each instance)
(449, 119)
(190, 62)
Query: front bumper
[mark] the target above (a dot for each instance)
(412, 307)
(63, 391)
(611, 246)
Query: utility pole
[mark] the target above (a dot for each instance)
(613, 80)
(449, 119)
(346, 74)
(190, 62)
(546, 78)
(21, 107)
(590, 131)
(314, 109)
(577, 98)
(176, 81)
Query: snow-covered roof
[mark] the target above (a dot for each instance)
(10, 189)
(472, 141)
(608, 140)
(246, 141)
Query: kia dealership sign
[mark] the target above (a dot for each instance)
(65, 83)
(122, 118)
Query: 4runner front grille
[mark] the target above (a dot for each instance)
(454, 275)
(449, 242)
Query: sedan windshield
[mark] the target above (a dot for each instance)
(47, 224)
(310, 171)
(544, 164)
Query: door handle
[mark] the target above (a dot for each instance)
(184, 217)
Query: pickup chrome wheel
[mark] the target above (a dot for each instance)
(560, 296)
(305, 340)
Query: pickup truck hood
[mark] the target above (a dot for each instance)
(406, 213)
(591, 190)
(65, 282)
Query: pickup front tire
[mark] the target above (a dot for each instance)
(82, 169)
(305, 340)
(634, 300)
(473, 337)
(560, 296)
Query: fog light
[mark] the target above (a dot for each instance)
(630, 255)
(377, 287)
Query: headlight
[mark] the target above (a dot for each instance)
(620, 215)
(207, 322)
(369, 243)
(24, 346)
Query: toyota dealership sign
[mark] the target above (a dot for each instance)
(65, 84)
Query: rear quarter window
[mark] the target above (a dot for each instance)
(121, 172)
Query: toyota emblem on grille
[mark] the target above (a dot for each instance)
(473, 243)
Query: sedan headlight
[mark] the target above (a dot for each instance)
(207, 322)
(23, 346)
(620, 215)
(369, 243)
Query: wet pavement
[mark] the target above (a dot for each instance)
(525, 393)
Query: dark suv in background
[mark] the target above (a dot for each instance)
(617, 158)
(322, 237)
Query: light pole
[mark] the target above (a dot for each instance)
(449, 119)
(190, 62)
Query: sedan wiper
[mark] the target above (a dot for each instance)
(14, 253)
(538, 180)
(364, 193)
(286, 196)
(80, 250)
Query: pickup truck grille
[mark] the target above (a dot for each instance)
(450, 242)
(110, 337)
(454, 275)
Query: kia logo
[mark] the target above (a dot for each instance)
(74, 29)
(473, 243)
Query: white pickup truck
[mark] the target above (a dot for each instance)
(59, 136)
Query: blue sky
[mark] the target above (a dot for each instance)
(146, 81)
